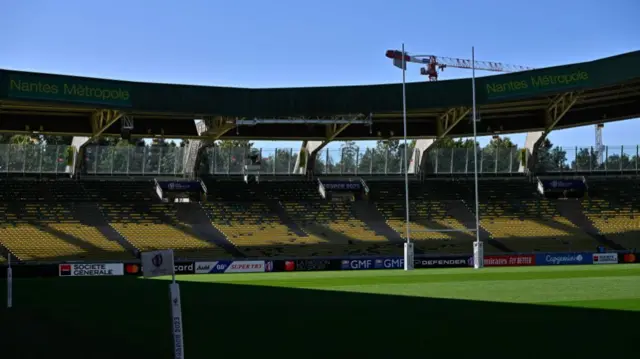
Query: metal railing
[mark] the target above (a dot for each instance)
(589, 159)
(169, 160)
(461, 160)
(133, 160)
(32, 158)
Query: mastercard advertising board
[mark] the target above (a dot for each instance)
(629, 258)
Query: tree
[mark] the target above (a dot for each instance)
(550, 158)
(500, 155)
(451, 156)
(348, 157)
(376, 160)
(586, 160)
(619, 162)
(234, 144)
(230, 156)
(448, 142)
(282, 161)
(386, 158)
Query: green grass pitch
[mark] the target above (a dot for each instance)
(527, 312)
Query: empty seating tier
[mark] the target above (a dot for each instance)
(514, 214)
(251, 227)
(336, 224)
(430, 227)
(155, 226)
(40, 231)
(614, 209)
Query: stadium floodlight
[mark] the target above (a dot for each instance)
(9, 283)
(408, 246)
(161, 263)
(478, 246)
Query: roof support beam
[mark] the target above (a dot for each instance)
(448, 120)
(216, 127)
(444, 124)
(103, 119)
(210, 130)
(310, 149)
(334, 130)
(558, 108)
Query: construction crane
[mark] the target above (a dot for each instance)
(434, 64)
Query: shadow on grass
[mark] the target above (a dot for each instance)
(129, 318)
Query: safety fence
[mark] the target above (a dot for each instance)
(172, 160)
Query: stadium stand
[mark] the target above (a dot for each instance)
(119, 191)
(52, 219)
(428, 214)
(29, 190)
(614, 209)
(290, 219)
(152, 226)
(516, 215)
(46, 231)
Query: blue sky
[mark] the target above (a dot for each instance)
(305, 43)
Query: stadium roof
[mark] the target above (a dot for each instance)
(590, 92)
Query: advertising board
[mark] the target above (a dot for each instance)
(179, 268)
(233, 267)
(307, 265)
(509, 261)
(546, 259)
(605, 258)
(629, 258)
(180, 186)
(357, 264)
(443, 262)
(342, 185)
(90, 270)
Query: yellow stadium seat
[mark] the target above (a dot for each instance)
(40, 231)
(155, 226)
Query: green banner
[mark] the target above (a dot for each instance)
(68, 89)
(533, 82)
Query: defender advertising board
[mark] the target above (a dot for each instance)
(444, 262)
(342, 185)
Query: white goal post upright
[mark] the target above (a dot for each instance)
(478, 246)
(408, 245)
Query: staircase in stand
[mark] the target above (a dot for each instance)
(572, 210)
(460, 211)
(201, 225)
(90, 215)
(368, 213)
